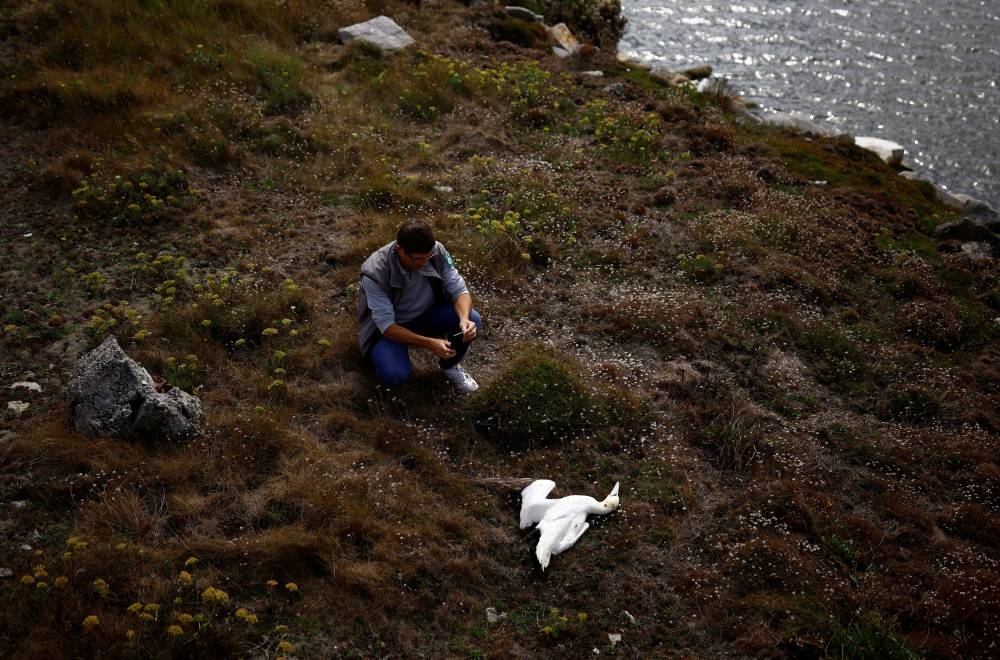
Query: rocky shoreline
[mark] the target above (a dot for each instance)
(978, 230)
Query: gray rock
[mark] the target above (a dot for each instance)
(968, 231)
(615, 89)
(524, 14)
(380, 31)
(978, 211)
(110, 395)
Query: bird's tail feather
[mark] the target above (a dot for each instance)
(544, 555)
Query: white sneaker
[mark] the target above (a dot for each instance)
(462, 381)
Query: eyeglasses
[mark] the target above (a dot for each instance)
(417, 258)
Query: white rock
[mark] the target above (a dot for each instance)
(34, 387)
(6, 573)
(797, 122)
(17, 406)
(564, 39)
(380, 31)
(889, 151)
(493, 617)
(593, 74)
(614, 638)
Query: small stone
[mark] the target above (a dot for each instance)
(33, 387)
(616, 89)
(592, 74)
(614, 638)
(6, 572)
(978, 251)
(447, 190)
(17, 406)
(493, 617)
(631, 619)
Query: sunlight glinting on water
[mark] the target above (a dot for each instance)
(920, 72)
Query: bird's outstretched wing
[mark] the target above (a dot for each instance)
(534, 504)
(558, 534)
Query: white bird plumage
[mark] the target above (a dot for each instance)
(561, 521)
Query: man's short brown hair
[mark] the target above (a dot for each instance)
(416, 237)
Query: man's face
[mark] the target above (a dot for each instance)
(412, 260)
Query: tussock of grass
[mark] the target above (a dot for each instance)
(539, 399)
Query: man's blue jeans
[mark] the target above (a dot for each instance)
(392, 359)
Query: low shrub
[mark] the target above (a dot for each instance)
(541, 398)
(531, 94)
(141, 197)
(621, 134)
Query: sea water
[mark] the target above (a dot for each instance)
(924, 73)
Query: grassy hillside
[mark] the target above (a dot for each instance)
(756, 333)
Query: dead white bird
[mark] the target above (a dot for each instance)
(562, 521)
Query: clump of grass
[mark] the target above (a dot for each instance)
(870, 637)
(931, 323)
(431, 86)
(726, 421)
(704, 268)
(280, 80)
(913, 404)
(540, 398)
(837, 359)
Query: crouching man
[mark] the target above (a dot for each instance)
(412, 295)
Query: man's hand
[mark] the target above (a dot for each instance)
(441, 348)
(468, 330)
